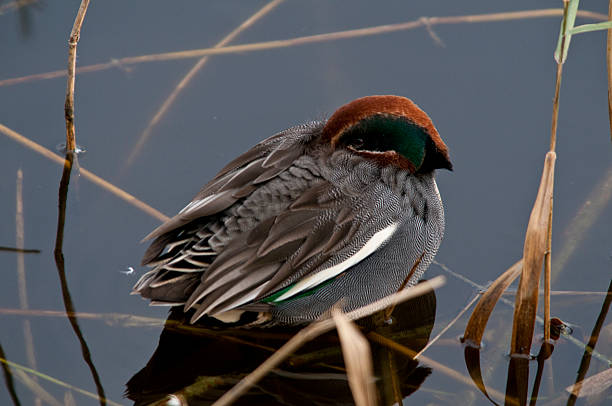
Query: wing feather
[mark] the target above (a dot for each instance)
(216, 265)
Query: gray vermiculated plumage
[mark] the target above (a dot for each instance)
(288, 209)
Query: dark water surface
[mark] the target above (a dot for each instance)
(488, 90)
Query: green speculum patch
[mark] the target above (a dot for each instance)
(380, 133)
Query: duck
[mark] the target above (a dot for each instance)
(344, 210)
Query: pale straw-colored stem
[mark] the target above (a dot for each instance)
(334, 36)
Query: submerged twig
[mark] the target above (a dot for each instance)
(339, 35)
(120, 193)
(59, 261)
(21, 276)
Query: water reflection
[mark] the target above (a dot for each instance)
(199, 363)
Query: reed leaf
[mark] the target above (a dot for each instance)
(357, 358)
(480, 316)
(533, 258)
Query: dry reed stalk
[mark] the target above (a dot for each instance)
(451, 373)
(21, 277)
(533, 257)
(120, 193)
(55, 381)
(339, 35)
(357, 358)
(537, 248)
(144, 136)
(316, 329)
(61, 271)
(69, 104)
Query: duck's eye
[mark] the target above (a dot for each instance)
(357, 143)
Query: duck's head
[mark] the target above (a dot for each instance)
(390, 130)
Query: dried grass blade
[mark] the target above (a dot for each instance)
(533, 258)
(480, 316)
(357, 358)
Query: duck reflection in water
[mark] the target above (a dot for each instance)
(199, 363)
